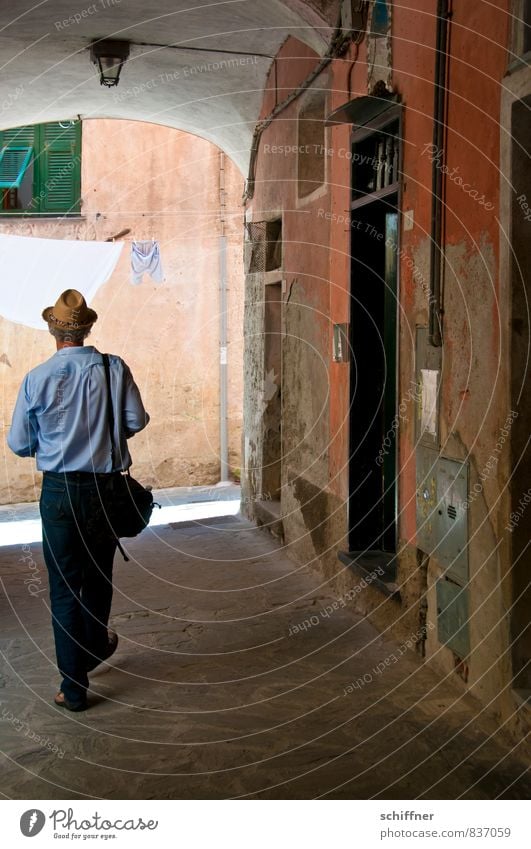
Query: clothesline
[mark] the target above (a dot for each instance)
(121, 236)
(35, 270)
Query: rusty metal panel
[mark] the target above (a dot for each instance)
(452, 617)
(442, 518)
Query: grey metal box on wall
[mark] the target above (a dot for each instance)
(452, 617)
(442, 518)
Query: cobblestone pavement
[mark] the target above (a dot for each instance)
(232, 680)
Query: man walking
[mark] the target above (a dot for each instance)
(61, 418)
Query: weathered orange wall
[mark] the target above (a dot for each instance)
(163, 184)
(306, 274)
(316, 270)
(473, 147)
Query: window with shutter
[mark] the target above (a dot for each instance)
(51, 182)
(18, 135)
(13, 164)
(61, 167)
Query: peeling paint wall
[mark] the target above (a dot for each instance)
(515, 290)
(254, 387)
(161, 183)
(474, 399)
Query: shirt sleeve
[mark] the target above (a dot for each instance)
(23, 435)
(135, 417)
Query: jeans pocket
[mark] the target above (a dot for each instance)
(53, 504)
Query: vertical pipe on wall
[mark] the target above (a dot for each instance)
(223, 389)
(438, 157)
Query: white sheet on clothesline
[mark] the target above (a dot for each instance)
(34, 272)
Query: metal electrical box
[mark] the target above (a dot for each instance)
(442, 517)
(452, 617)
(442, 493)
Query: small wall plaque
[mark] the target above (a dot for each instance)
(341, 351)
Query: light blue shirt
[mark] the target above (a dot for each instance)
(61, 413)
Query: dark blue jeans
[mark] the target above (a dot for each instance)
(79, 557)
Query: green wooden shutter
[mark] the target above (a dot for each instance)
(59, 181)
(19, 136)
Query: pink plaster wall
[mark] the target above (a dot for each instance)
(164, 184)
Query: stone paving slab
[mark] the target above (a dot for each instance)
(230, 681)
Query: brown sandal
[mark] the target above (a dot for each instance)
(61, 700)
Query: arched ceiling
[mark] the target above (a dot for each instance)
(177, 73)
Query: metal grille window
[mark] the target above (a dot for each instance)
(40, 169)
(257, 246)
(375, 162)
(265, 244)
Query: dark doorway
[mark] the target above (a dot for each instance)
(373, 423)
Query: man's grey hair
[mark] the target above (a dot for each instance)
(75, 335)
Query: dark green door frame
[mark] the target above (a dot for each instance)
(391, 418)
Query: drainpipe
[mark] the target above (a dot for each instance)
(223, 393)
(439, 129)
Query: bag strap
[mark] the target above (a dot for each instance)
(110, 420)
(110, 409)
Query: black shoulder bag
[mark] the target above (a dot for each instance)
(127, 504)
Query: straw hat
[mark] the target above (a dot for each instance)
(70, 312)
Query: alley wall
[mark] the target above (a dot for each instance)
(163, 184)
(474, 392)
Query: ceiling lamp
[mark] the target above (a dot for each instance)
(109, 56)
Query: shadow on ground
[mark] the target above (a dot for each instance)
(216, 692)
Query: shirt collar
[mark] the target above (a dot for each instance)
(78, 349)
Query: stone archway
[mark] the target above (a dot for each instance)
(193, 66)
